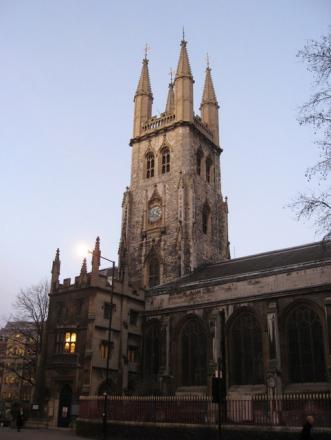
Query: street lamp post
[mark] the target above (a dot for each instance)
(105, 403)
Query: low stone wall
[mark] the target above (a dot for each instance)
(165, 431)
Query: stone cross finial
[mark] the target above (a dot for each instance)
(207, 60)
(171, 73)
(147, 49)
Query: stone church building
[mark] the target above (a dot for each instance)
(183, 306)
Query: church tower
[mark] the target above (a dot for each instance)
(174, 218)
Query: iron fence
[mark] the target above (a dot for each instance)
(281, 410)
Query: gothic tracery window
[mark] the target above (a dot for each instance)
(245, 349)
(199, 160)
(193, 353)
(165, 161)
(150, 165)
(153, 272)
(209, 164)
(152, 349)
(306, 362)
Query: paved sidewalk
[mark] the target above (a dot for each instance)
(38, 434)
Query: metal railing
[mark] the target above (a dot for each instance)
(281, 410)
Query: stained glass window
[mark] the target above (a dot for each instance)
(306, 361)
(193, 354)
(245, 344)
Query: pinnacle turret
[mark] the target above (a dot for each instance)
(183, 68)
(96, 255)
(83, 270)
(209, 106)
(184, 86)
(55, 269)
(209, 96)
(143, 100)
(144, 84)
(170, 107)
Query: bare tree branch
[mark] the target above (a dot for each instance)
(317, 112)
(26, 332)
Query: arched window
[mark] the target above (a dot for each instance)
(152, 349)
(205, 219)
(153, 272)
(150, 165)
(306, 362)
(245, 350)
(209, 164)
(199, 160)
(165, 161)
(193, 354)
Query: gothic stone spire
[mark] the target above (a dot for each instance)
(183, 68)
(209, 106)
(209, 96)
(143, 100)
(56, 269)
(184, 87)
(96, 255)
(170, 107)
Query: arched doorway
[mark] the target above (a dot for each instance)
(65, 398)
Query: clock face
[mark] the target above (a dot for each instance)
(154, 214)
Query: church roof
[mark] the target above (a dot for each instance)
(263, 264)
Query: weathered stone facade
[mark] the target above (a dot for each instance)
(277, 289)
(77, 337)
(176, 237)
(264, 320)
(237, 309)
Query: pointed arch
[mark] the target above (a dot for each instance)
(152, 269)
(305, 344)
(209, 169)
(150, 164)
(193, 352)
(165, 159)
(199, 157)
(245, 349)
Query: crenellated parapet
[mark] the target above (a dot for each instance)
(179, 107)
(95, 278)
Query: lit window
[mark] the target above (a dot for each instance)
(150, 165)
(104, 349)
(70, 342)
(133, 354)
(165, 160)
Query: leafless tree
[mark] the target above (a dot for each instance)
(317, 112)
(26, 332)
